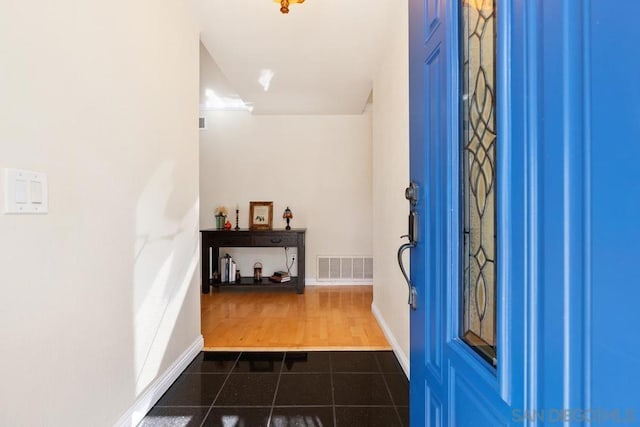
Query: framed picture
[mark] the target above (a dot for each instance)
(260, 215)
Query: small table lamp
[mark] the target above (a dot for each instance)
(257, 272)
(287, 215)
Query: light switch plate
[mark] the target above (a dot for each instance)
(25, 192)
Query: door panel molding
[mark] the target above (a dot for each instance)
(434, 410)
(564, 204)
(517, 66)
(434, 83)
(433, 17)
(476, 410)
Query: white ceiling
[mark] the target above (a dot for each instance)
(323, 54)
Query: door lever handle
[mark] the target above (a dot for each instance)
(411, 194)
(413, 300)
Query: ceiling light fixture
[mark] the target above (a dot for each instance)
(284, 4)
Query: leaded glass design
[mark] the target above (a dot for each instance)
(478, 181)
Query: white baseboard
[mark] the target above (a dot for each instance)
(157, 388)
(313, 282)
(402, 357)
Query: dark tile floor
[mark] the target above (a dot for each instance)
(310, 389)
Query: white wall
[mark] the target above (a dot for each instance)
(102, 294)
(319, 166)
(390, 177)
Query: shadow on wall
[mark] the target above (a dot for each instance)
(166, 260)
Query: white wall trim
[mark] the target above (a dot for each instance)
(402, 358)
(311, 281)
(154, 392)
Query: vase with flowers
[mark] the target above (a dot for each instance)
(221, 217)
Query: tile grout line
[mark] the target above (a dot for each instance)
(220, 390)
(333, 391)
(393, 401)
(275, 394)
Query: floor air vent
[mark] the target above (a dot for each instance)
(345, 268)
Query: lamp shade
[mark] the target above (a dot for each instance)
(287, 213)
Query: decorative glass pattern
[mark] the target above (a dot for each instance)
(478, 181)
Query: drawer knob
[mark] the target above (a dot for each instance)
(276, 240)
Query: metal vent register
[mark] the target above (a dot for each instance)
(351, 268)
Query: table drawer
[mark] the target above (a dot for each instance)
(274, 239)
(233, 239)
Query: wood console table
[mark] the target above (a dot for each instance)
(216, 239)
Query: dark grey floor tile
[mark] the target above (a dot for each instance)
(175, 417)
(367, 417)
(267, 362)
(404, 415)
(193, 390)
(238, 417)
(248, 390)
(302, 417)
(360, 389)
(304, 389)
(354, 361)
(399, 388)
(213, 361)
(316, 361)
(366, 385)
(388, 361)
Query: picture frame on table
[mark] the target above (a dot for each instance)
(260, 215)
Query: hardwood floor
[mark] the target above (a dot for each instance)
(323, 318)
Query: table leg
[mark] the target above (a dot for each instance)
(204, 261)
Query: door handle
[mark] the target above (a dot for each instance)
(411, 194)
(413, 300)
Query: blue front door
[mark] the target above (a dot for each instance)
(466, 361)
(525, 140)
